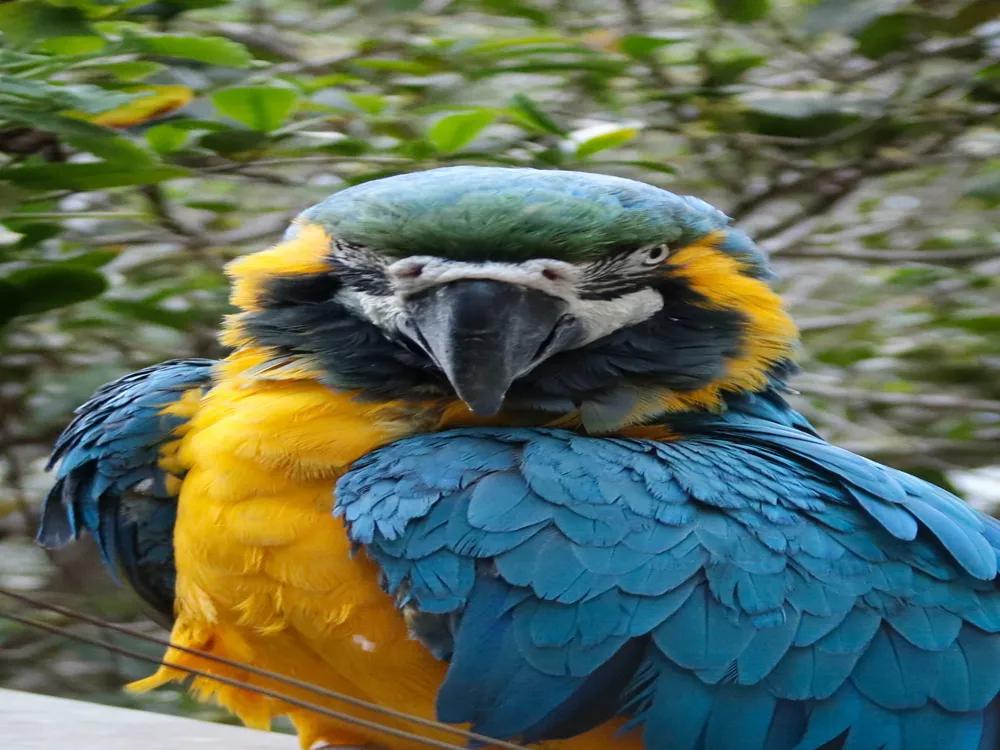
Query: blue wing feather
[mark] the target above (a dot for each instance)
(111, 446)
(781, 591)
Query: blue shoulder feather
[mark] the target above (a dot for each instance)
(748, 586)
(111, 447)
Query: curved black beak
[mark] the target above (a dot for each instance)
(483, 334)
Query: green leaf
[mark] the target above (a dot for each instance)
(72, 45)
(80, 97)
(346, 147)
(986, 189)
(509, 42)
(980, 323)
(178, 5)
(32, 233)
(214, 50)
(210, 125)
(10, 301)
(642, 46)
(263, 108)
(885, 34)
(27, 21)
(604, 141)
(797, 116)
(986, 86)
(846, 355)
(93, 259)
(416, 149)
(233, 141)
(915, 277)
(167, 138)
(526, 107)
(373, 104)
(94, 100)
(551, 157)
(728, 72)
(456, 131)
(64, 126)
(219, 206)
(518, 9)
(84, 177)
(50, 286)
(652, 166)
(117, 149)
(134, 70)
(742, 11)
(972, 15)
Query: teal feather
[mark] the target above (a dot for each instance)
(472, 213)
(113, 445)
(773, 583)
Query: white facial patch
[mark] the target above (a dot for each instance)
(601, 317)
(417, 274)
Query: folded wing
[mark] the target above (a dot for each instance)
(749, 587)
(117, 478)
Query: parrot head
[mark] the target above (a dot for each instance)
(516, 289)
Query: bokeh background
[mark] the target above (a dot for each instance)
(143, 145)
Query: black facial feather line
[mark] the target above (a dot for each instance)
(360, 268)
(683, 347)
(300, 315)
(611, 277)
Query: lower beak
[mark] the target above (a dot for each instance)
(484, 334)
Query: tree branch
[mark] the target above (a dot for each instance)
(920, 53)
(827, 322)
(926, 400)
(638, 24)
(970, 255)
(164, 213)
(634, 15)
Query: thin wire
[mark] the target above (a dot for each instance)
(260, 672)
(328, 712)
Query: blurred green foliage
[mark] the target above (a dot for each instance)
(144, 144)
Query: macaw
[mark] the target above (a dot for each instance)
(509, 448)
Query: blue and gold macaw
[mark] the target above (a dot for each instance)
(547, 407)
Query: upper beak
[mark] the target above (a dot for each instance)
(484, 334)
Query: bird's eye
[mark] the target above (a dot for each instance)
(656, 254)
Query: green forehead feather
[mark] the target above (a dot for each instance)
(493, 213)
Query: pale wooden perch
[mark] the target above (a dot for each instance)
(38, 722)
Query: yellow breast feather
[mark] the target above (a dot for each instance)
(265, 573)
